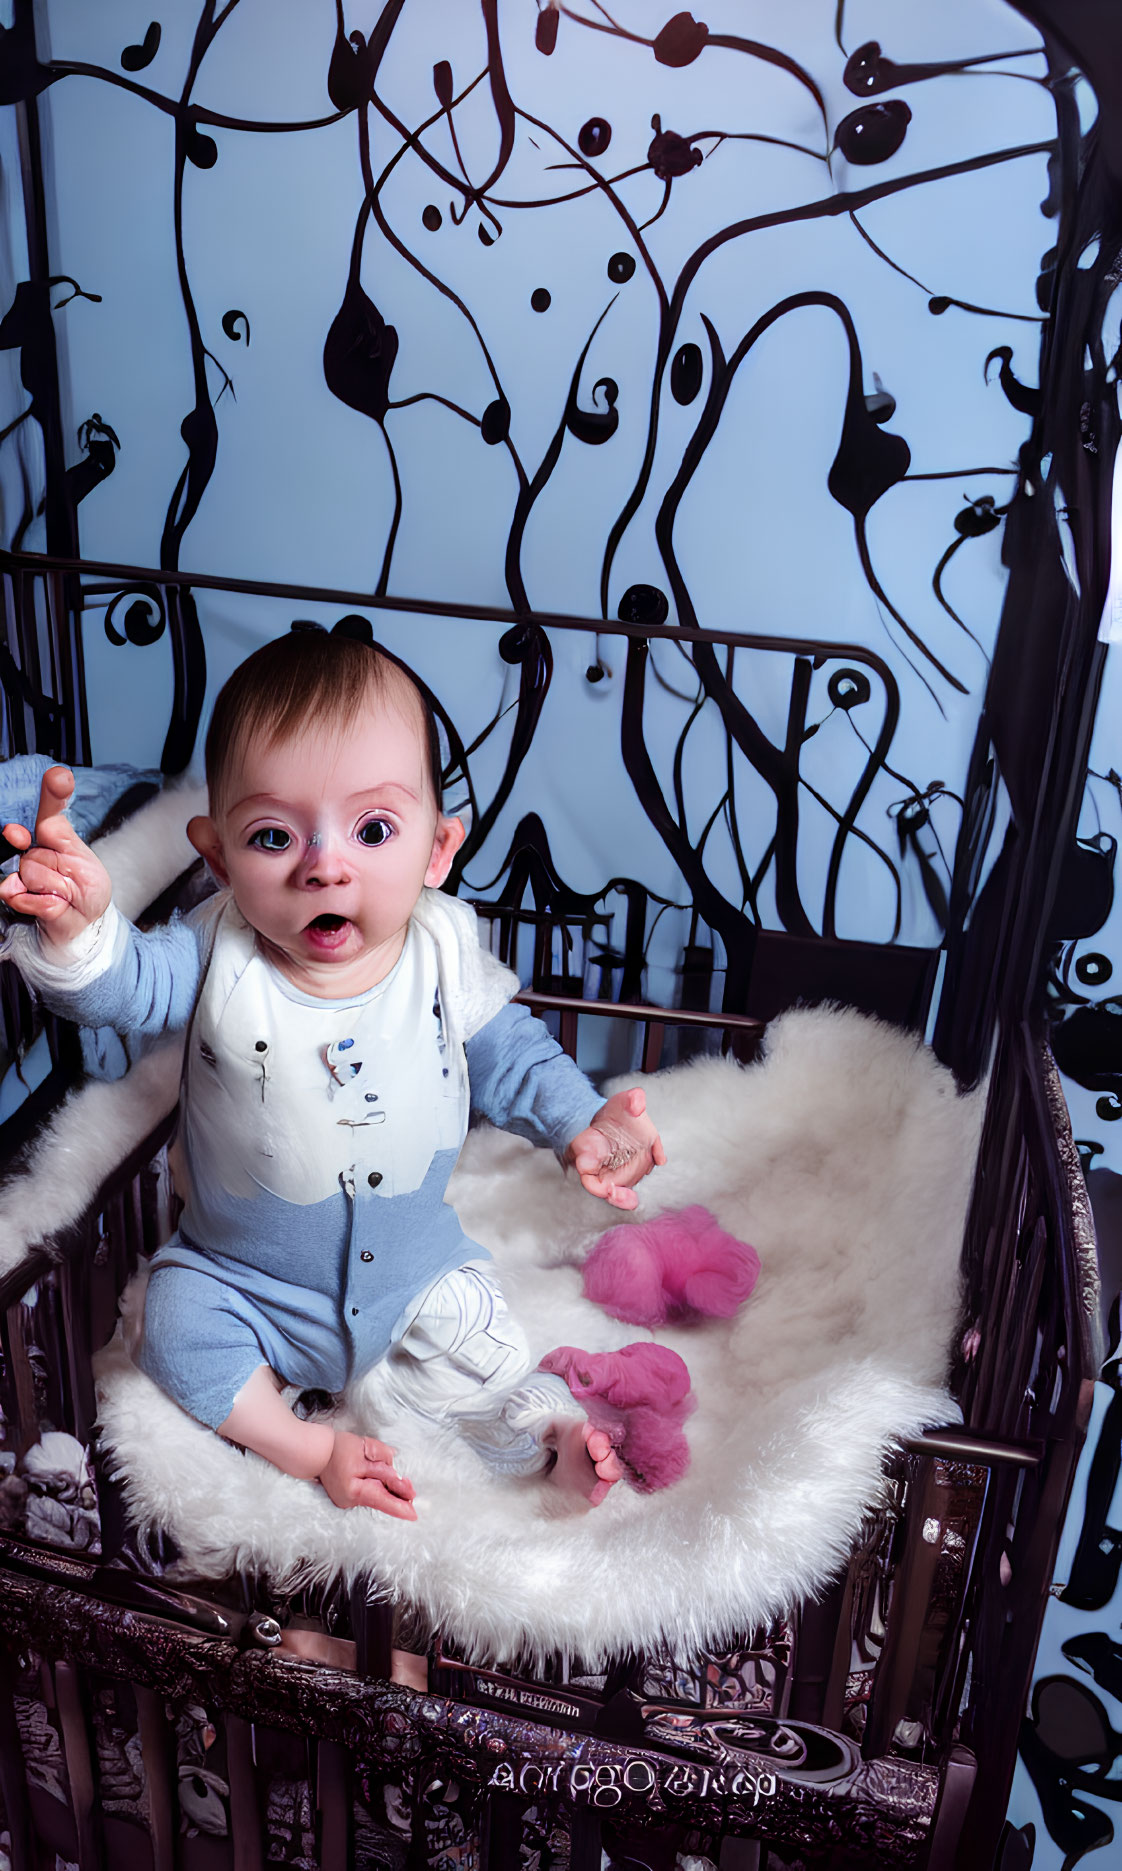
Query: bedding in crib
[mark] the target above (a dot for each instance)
(845, 1158)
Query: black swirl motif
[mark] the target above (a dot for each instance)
(895, 821)
(641, 209)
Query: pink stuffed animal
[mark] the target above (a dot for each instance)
(677, 1266)
(640, 1395)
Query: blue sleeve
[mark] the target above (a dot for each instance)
(96, 789)
(148, 988)
(522, 1081)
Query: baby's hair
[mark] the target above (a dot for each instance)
(311, 678)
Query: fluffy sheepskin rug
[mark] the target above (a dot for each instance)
(845, 1157)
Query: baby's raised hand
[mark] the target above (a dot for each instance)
(60, 881)
(360, 1473)
(620, 1147)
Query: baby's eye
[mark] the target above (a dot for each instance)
(374, 832)
(271, 838)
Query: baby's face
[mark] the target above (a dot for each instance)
(326, 840)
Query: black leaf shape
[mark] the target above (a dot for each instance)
(442, 83)
(545, 31)
(874, 133)
(681, 40)
(868, 72)
(869, 461)
(494, 424)
(136, 57)
(359, 353)
(350, 73)
(230, 326)
(594, 425)
(686, 373)
(865, 70)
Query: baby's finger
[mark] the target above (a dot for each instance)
(17, 836)
(389, 1477)
(375, 1494)
(384, 1471)
(617, 1194)
(47, 909)
(52, 827)
(42, 903)
(43, 871)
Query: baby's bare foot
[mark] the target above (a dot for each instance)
(587, 1465)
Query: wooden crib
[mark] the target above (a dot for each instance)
(154, 1723)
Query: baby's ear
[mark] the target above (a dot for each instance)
(450, 835)
(203, 834)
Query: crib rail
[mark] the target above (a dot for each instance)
(740, 1033)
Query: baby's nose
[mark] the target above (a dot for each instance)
(325, 861)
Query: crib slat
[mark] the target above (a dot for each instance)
(652, 1046)
(19, 1365)
(75, 1296)
(907, 1609)
(245, 1812)
(13, 1781)
(502, 1833)
(372, 1624)
(333, 1798)
(157, 1750)
(585, 1848)
(79, 1767)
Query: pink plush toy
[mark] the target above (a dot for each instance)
(640, 1395)
(678, 1266)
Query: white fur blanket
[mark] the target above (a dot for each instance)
(845, 1158)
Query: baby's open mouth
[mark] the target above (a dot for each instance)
(328, 930)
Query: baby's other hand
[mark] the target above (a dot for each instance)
(619, 1148)
(360, 1473)
(60, 880)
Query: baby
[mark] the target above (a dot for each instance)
(342, 1022)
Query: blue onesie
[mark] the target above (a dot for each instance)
(316, 1137)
